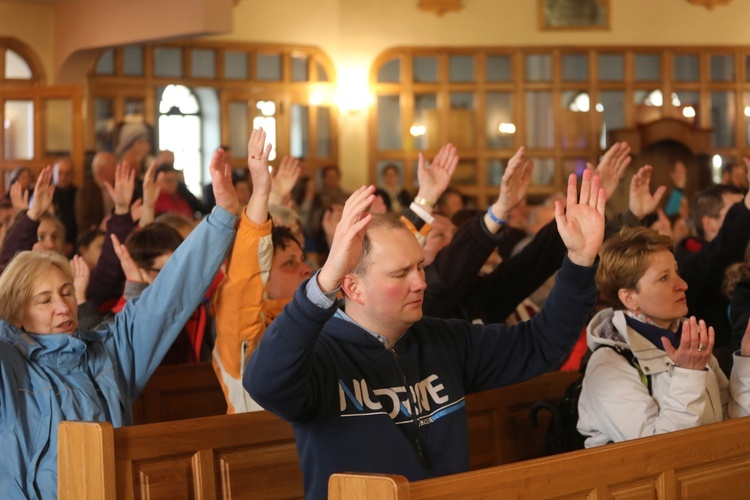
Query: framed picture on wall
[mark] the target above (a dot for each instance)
(574, 14)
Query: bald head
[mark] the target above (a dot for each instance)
(103, 168)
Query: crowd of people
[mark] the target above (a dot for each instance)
(365, 318)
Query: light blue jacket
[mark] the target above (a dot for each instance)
(96, 376)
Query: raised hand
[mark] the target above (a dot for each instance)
(44, 190)
(581, 226)
(285, 178)
(641, 202)
(151, 189)
(81, 275)
(434, 180)
(512, 188)
(19, 197)
(612, 166)
(129, 267)
(257, 163)
(696, 345)
(122, 192)
(221, 177)
(347, 240)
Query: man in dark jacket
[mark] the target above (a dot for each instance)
(379, 388)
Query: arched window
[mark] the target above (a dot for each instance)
(180, 132)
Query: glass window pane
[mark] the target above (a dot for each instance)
(612, 108)
(461, 69)
(300, 68)
(500, 128)
(687, 103)
(575, 67)
(649, 104)
(495, 171)
(647, 67)
(540, 129)
(299, 134)
(425, 69)
(499, 69)
(134, 109)
(538, 68)
(390, 72)
(389, 122)
(19, 129)
(16, 66)
(746, 117)
(180, 97)
(106, 63)
(268, 67)
(723, 118)
(686, 68)
(132, 56)
(462, 120)
(321, 72)
(465, 173)
(58, 127)
(575, 112)
(543, 173)
(235, 65)
(168, 61)
(611, 68)
(104, 124)
(722, 68)
(182, 136)
(324, 133)
(238, 129)
(203, 63)
(424, 130)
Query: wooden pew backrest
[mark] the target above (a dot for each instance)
(252, 455)
(711, 461)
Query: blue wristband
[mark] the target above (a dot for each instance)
(494, 219)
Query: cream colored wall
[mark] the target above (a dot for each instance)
(32, 24)
(354, 32)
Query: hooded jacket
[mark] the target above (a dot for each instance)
(97, 375)
(615, 405)
(356, 405)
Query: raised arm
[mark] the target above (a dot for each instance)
(612, 167)
(239, 303)
(284, 180)
(146, 327)
(282, 374)
(452, 274)
(107, 277)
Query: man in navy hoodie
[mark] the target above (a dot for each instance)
(379, 388)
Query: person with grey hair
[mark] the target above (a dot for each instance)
(52, 371)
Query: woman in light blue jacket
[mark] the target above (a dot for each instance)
(50, 371)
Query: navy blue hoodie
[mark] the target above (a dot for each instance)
(357, 406)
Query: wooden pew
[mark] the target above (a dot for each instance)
(177, 392)
(711, 461)
(254, 454)
(251, 455)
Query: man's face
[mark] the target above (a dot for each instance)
(712, 225)
(288, 271)
(392, 288)
(63, 173)
(168, 182)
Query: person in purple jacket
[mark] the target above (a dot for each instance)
(379, 387)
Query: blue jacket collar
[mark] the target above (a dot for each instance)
(54, 349)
